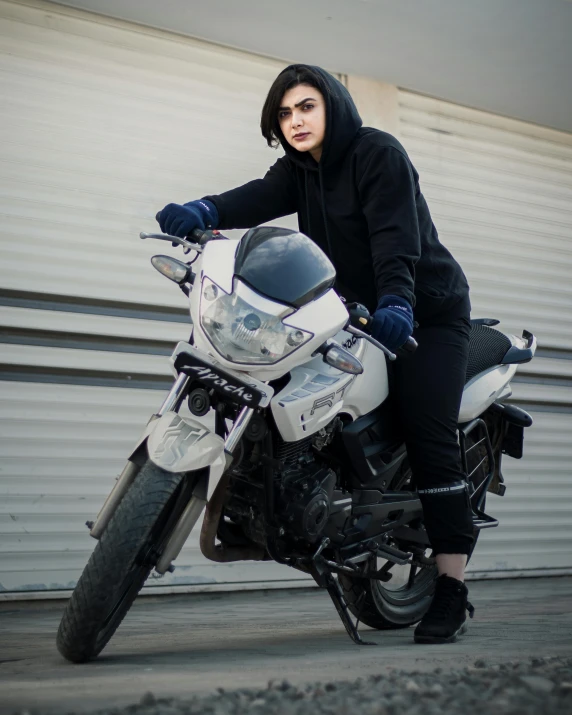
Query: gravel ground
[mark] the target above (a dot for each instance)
(540, 685)
(181, 648)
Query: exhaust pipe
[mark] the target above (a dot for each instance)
(223, 553)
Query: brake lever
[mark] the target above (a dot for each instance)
(175, 241)
(360, 313)
(360, 334)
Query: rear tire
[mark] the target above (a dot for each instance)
(118, 566)
(385, 608)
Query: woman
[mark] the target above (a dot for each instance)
(357, 196)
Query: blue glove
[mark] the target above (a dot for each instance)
(177, 220)
(392, 321)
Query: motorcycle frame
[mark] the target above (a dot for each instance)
(216, 262)
(408, 504)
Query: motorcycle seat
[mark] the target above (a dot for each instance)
(487, 348)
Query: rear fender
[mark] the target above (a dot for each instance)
(179, 444)
(484, 389)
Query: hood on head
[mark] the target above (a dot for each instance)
(342, 123)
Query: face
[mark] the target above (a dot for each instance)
(302, 119)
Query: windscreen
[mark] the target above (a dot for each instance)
(283, 265)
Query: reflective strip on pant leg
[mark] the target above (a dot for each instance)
(448, 518)
(445, 489)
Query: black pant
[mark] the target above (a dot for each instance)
(427, 388)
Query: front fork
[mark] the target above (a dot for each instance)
(184, 526)
(173, 403)
(174, 399)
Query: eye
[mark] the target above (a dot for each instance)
(283, 114)
(308, 106)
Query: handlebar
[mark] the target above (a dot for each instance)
(196, 235)
(361, 319)
(194, 241)
(410, 345)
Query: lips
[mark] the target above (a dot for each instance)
(301, 136)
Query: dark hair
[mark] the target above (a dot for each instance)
(290, 77)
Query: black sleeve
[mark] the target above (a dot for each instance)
(387, 190)
(260, 200)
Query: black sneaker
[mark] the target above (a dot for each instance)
(446, 618)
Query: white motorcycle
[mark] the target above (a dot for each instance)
(310, 468)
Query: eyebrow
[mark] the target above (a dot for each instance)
(299, 104)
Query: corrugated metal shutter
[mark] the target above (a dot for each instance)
(500, 192)
(62, 446)
(104, 123)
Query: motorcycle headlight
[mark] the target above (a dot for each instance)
(246, 328)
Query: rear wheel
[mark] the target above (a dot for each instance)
(119, 565)
(404, 599)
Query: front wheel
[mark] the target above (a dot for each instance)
(119, 564)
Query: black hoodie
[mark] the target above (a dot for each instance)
(362, 205)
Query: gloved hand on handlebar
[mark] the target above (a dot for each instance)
(392, 322)
(177, 220)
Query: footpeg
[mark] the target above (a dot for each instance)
(483, 521)
(394, 555)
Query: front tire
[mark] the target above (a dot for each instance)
(119, 565)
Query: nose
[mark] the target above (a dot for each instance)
(296, 120)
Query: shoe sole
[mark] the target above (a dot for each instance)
(437, 639)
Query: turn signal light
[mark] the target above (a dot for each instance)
(171, 268)
(343, 360)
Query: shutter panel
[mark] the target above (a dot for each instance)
(104, 122)
(500, 193)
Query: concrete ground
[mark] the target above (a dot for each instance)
(179, 645)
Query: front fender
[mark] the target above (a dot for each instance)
(181, 444)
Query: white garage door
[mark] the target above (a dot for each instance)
(103, 124)
(500, 192)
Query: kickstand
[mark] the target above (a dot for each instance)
(336, 594)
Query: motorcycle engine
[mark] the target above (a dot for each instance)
(303, 492)
(303, 501)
